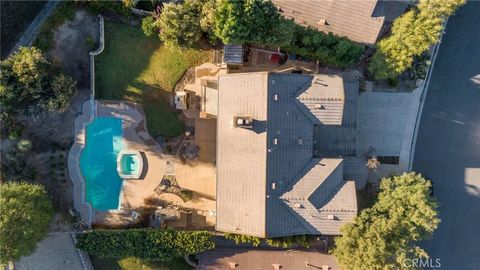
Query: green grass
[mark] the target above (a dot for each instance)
(63, 12)
(137, 264)
(140, 69)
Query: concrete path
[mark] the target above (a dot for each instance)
(55, 252)
(31, 32)
(448, 143)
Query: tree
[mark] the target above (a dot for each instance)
(29, 86)
(439, 8)
(239, 22)
(412, 35)
(26, 213)
(386, 234)
(180, 23)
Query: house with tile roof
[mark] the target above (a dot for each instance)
(287, 160)
(359, 20)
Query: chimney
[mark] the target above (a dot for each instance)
(243, 122)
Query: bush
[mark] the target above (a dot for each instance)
(289, 241)
(329, 49)
(186, 195)
(243, 239)
(146, 244)
(149, 26)
(24, 145)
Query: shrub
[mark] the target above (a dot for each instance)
(243, 239)
(149, 26)
(186, 195)
(146, 244)
(24, 145)
(289, 241)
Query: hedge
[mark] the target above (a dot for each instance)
(146, 244)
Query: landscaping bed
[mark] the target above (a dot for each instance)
(140, 69)
(137, 264)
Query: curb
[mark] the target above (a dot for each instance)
(423, 96)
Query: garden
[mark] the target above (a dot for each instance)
(136, 68)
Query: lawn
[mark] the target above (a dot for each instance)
(140, 69)
(137, 264)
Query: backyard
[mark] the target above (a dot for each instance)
(140, 69)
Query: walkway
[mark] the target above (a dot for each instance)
(31, 32)
(448, 143)
(55, 252)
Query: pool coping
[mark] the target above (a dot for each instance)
(87, 212)
(126, 151)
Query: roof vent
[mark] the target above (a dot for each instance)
(275, 97)
(243, 121)
(275, 141)
(232, 265)
(325, 267)
(297, 205)
(276, 266)
(300, 141)
(319, 106)
(273, 185)
(331, 217)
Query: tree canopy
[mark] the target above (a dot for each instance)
(386, 234)
(29, 86)
(26, 213)
(412, 35)
(180, 23)
(147, 244)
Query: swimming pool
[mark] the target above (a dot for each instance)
(98, 162)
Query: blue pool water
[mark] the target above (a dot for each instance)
(98, 162)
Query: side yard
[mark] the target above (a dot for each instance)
(140, 69)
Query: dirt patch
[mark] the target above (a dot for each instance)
(73, 41)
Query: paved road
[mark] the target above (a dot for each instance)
(448, 143)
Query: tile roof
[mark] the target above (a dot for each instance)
(341, 139)
(349, 18)
(264, 260)
(263, 172)
(241, 155)
(324, 99)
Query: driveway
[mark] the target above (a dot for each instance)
(448, 144)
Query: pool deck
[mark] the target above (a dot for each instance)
(197, 176)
